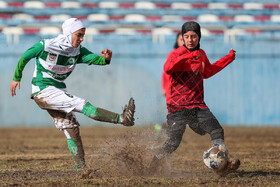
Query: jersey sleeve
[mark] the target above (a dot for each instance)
(88, 57)
(32, 52)
(175, 61)
(212, 69)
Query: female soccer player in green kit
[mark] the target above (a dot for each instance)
(56, 58)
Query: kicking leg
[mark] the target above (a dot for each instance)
(99, 114)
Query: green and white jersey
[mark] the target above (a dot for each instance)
(52, 68)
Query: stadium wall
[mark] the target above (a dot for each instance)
(244, 93)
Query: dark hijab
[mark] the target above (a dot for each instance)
(192, 26)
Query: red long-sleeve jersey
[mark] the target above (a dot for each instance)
(185, 71)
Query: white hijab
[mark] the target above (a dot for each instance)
(62, 44)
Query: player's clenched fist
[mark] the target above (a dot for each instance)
(107, 54)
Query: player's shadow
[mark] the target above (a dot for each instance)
(251, 174)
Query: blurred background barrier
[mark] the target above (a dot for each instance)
(141, 34)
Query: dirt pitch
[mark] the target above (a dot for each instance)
(120, 156)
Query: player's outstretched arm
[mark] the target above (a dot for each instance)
(13, 87)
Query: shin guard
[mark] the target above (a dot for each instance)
(76, 147)
(100, 114)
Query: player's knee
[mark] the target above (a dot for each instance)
(172, 144)
(72, 133)
(217, 134)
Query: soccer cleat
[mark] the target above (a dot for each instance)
(231, 167)
(128, 113)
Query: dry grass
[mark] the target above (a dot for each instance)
(40, 157)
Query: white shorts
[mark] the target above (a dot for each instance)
(60, 106)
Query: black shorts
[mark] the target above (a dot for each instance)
(201, 121)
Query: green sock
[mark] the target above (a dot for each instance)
(74, 151)
(100, 114)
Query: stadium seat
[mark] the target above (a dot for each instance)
(33, 4)
(216, 6)
(235, 6)
(5, 16)
(230, 34)
(144, 5)
(200, 5)
(253, 6)
(186, 6)
(50, 30)
(271, 6)
(126, 5)
(52, 4)
(158, 34)
(59, 17)
(89, 5)
(31, 30)
(3, 4)
(226, 18)
(116, 18)
(163, 5)
(98, 17)
(70, 4)
(244, 18)
(171, 18)
(125, 31)
(12, 32)
(205, 32)
(153, 18)
(15, 4)
(108, 4)
(262, 18)
(135, 18)
(89, 34)
(23, 17)
(206, 18)
(275, 18)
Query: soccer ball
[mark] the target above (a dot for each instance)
(216, 158)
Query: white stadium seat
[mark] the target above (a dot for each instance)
(12, 32)
(70, 4)
(89, 34)
(135, 18)
(217, 6)
(33, 4)
(205, 32)
(3, 4)
(186, 6)
(98, 17)
(171, 18)
(144, 5)
(158, 34)
(125, 31)
(207, 18)
(244, 18)
(50, 30)
(275, 18)
(59, 17)
(108, 4)
(230, 34)
(23, 17)
(253, 6)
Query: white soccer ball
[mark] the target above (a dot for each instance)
(216, 158)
